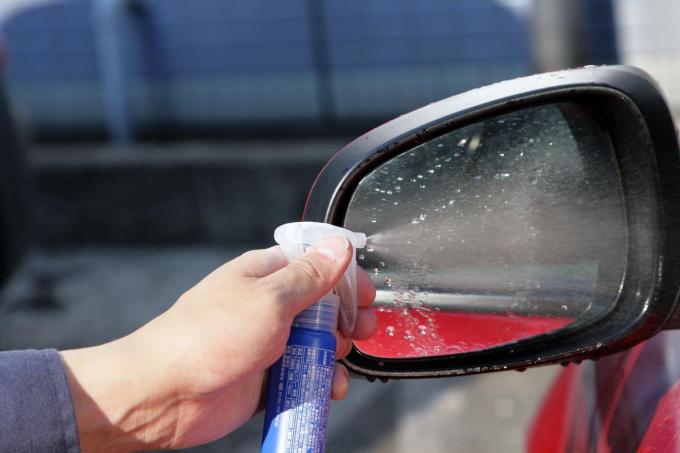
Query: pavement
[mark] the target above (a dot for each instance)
(79, 296)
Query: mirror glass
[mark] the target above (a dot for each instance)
(498, 231)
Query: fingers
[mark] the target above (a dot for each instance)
(305, 280)
(259, 263)
(340, 382)
(343, 346)
(366, 324)
(365, 288)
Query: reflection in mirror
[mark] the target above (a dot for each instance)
(495, 232)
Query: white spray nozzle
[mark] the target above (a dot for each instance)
(295, 238)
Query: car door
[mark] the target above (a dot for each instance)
(626, 402)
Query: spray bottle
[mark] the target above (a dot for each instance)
(300, 382)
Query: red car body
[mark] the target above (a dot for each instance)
(626, 402)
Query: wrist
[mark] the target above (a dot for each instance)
(119, 397)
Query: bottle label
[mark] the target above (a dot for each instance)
(301, 388)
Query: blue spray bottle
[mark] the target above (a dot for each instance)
(300, 382)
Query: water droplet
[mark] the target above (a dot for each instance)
(423, 216)
(396, 203)
(397, 187)
(430, 171)
(422, 186)
(389, 192)
(441, 145)
(381, 264)
(374, 221)
(399, 178)
(501, 154)
(438, 166)
(361, 257)
(564, 307)
(388, 281)
(408, 335)
(389, 330)
(419, 176)
(457, 191)
(422, 329)
(462, 142)
(478, 178)
(370, 249)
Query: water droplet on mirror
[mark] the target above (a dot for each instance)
(430, 171)
(381, 264)
(438, 166)
(501, 154)
(374, 221)
(397, 187)
(376, 271)
(389, 192)
(399, 178)
(422, 186)
(478, 178)
(408, 335)
(422, 329)
(370, 249)
(388, 281)
(419, 176)
(423, 216)
(441, 145)
(389, 330)
(462, 142)
(396, 203)
(361, 257)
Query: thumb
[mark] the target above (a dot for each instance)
(303, 281)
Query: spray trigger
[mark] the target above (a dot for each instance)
(295, 238)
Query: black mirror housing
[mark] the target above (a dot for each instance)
(645, 144)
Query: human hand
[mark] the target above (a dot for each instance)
(198, 371)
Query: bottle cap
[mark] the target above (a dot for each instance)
(295, 238)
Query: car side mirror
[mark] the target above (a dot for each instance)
(529, 222)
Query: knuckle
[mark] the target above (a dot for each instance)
(308, 271)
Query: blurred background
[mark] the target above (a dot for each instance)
(145, 142)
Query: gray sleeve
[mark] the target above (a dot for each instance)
(36, 412)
